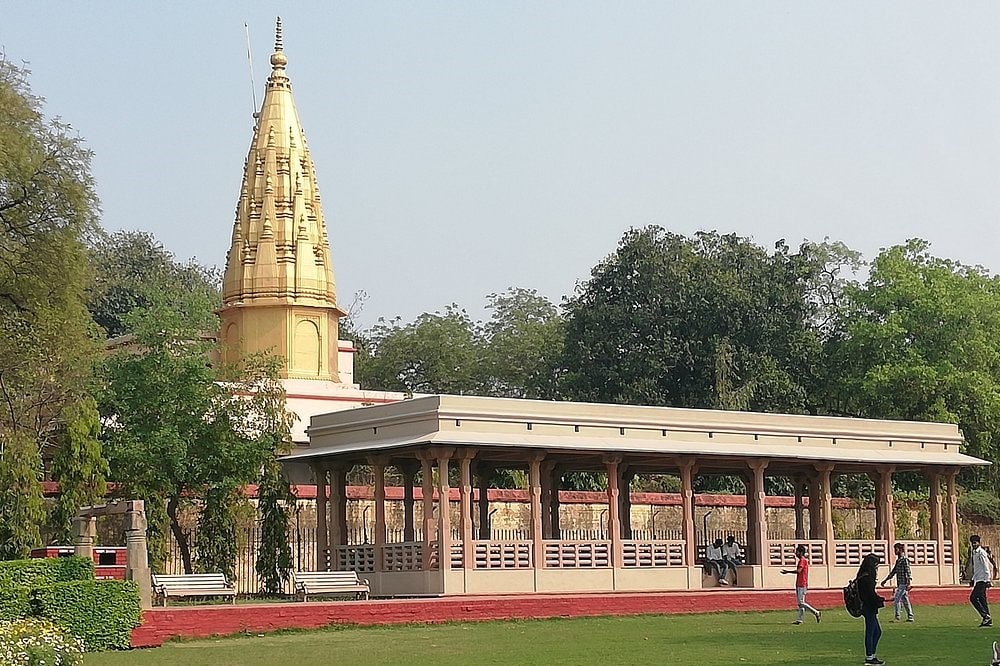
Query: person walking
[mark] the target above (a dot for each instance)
(901, 570)
(801, 572)
(981, 579)
(870, 603)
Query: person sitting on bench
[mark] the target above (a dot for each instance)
(732, 553)
(714, 558)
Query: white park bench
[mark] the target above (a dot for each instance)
(329, 582)
(192, 585)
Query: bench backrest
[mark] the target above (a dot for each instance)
(205, 581)
(327, 577)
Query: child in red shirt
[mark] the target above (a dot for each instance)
(801, 572)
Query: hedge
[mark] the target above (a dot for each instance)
(44, 572)
(102, 613)
(14, 604)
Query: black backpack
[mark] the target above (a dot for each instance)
(852, 599)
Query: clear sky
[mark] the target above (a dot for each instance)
(463, 147)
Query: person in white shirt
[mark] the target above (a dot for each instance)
(715, 558)
(982, 575)
(732, 553)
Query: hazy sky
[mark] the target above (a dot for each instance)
(464, 147)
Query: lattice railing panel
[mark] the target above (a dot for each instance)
(404, 556)
(501, 555)
(921, 552)
(577, 554)
(653, 553)
(782, 553)
(356, 558)
(850, 553)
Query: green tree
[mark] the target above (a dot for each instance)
(132, 270)
(437, 353)
(920, 340)
(216, 542)
(180, 430)
(274, 556)
(522, 346)
(712, 321)
(78, 465)
(21, 505)
(47, 340)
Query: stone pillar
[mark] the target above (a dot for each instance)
(824, 490)
(444, 514)
(84, 531)
(952, 510)
(885, 524)
(535, 494)
(337, 512)
(427, 490)
(137, 552)
(409, 471)
(756, 513)
(614, 518)
(815, 509)
(322, 545)
(800, 526)
(625, 497)
(465, 495)
(934, 502)
(378, 472)
(484, 501)
(555, 482)
(687, 471)
(545, 479)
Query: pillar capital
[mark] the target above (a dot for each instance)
(381, 460)
(757, 464)
(822, 467)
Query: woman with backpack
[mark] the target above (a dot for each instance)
(870, 603)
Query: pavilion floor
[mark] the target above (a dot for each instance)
(161, 624)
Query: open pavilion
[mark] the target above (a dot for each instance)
(428, 435)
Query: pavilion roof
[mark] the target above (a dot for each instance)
(503, 429)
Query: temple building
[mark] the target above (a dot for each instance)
(279, 295)
(278, 290)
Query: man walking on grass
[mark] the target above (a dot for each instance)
(901, 570)
(801, 572)
(981, 579)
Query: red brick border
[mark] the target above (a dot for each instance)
(161, 624)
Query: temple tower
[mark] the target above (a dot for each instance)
(278, 292)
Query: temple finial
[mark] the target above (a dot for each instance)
(278, 58)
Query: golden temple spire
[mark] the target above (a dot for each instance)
(278, 290)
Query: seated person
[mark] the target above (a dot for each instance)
(732, 552)
(714, 558)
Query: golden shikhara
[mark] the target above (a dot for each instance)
(278, 291)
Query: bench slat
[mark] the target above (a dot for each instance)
(189, 585)
(315, 582)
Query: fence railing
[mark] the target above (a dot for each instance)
(512, 549)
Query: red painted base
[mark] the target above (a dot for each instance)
(161, 624)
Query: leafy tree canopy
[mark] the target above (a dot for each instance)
(712, 321)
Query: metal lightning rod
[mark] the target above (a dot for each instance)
(253, 86)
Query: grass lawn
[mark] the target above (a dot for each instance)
(942, 635)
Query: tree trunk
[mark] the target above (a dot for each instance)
(179, 536)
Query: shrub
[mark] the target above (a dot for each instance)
(102, 613)
(35, 642)
(14, 604)
(979, 504)
(44, 572)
